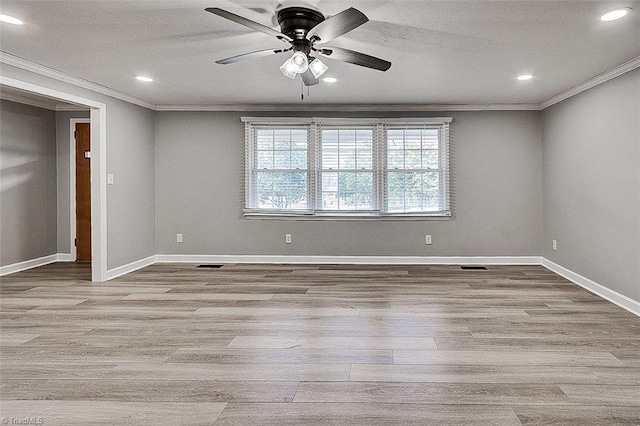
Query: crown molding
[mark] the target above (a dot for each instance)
(350, 107)
(23, 64)
(592, 82)
(62, 107)
(41, 103)
(25, 100)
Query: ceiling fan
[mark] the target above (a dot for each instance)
(306, 30)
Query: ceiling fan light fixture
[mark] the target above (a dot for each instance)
(317, 67)
(302, 26)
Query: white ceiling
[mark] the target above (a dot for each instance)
(443, 52)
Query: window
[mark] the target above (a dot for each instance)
(346, 168)
(414, 170)
(281, 172)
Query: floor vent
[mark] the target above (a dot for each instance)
(473, 268)
(209, 266)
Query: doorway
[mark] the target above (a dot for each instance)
(82, 136)
(98, 119)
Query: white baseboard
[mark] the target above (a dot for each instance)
(34, 263)
(612, 296)
(130, 267)
(65, 257)
(353, 260)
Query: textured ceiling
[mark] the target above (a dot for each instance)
(443, 52)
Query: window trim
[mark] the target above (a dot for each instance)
(380, 172)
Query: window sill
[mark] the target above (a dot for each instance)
(345, 217)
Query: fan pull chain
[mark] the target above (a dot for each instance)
(302, 86)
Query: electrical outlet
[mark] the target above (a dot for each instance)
(110, 180)
(554, 244)
(178, 238)
(427, 240)
(287, 238)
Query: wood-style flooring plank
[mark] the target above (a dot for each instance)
(541, 374)
(522, 357)
(365, 414)
(233, 372)
(360, 343)
(565, 415)
(626, 415)
(108, 413)
(623, 395)
(431, 393)
(156, 390)
(291, 356)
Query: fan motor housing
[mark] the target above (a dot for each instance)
(297, 21)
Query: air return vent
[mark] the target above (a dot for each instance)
(473, 268)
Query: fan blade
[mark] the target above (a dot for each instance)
(248, 23)
(355, 58)
(336, 26)
(309, 79)
(252, 55)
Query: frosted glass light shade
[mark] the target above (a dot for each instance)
(317, 67)
(296, 64)
(299, 63)
(286, 70)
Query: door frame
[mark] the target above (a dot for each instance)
(98, 168)
(73, 249)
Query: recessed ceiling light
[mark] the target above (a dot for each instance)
(614, 14)
(525, 77)
(330, 79)
(10, 19)
(143, 78)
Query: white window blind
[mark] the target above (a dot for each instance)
(416, 169)
(351, 168)
(347, 168)
(278, 168)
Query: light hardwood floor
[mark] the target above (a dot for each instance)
(314, 345)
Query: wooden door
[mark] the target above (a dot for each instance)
(83, 191)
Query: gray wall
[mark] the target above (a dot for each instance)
(496, 168)
(131, 200)
(130, 157)
(63, 120)
(27, 183)
(591, 184)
